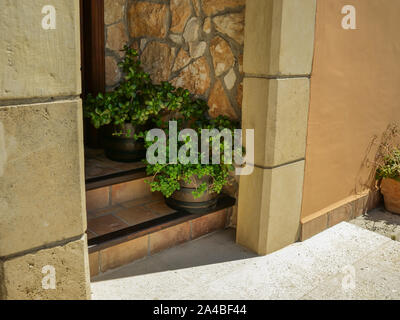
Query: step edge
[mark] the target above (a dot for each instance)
(133, 232)
(115, 178)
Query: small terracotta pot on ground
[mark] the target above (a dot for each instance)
(390, 189)
(183, 199)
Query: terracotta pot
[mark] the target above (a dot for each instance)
(123, 148)
(183, 199)
(390, 189)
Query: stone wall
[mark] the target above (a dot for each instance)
(279, 46)
(43, 246)
(195, 44)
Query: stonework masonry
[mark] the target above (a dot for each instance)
(277, 68)
(195, 44)
(43, 247)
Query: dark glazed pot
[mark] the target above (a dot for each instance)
(123, 148)
(183, 199)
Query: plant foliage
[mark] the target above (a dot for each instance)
(388, 154)
(390, 167)
(138, 101)
(167, 178)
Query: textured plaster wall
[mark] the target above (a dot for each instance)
(354, 96)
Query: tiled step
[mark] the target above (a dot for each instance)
(107, 197)
(126, 221)
(168, 231)
(102, 172)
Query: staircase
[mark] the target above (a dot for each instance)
(127, 222)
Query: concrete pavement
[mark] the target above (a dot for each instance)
(343, 262)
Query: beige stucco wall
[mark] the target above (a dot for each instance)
(355, 94)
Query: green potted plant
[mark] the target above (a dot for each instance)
(189, 186)
(124, 111)
(388, 173)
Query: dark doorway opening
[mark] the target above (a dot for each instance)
(93, 58)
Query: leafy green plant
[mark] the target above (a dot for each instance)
(138, 101)
(390, 168)
(167, 178)
(128, 101)
(388, 154)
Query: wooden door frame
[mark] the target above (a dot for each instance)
(92, 57)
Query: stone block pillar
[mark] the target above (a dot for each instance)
(278, 53)
(43, 247)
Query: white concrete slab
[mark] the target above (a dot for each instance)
(214, 267)
(370, 283)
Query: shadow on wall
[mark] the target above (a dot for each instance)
(374, 155)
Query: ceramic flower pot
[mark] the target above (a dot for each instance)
(390, 189)
(123, 148)
(183, 199)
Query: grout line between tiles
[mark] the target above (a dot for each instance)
(110, 196)
(121, 219)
